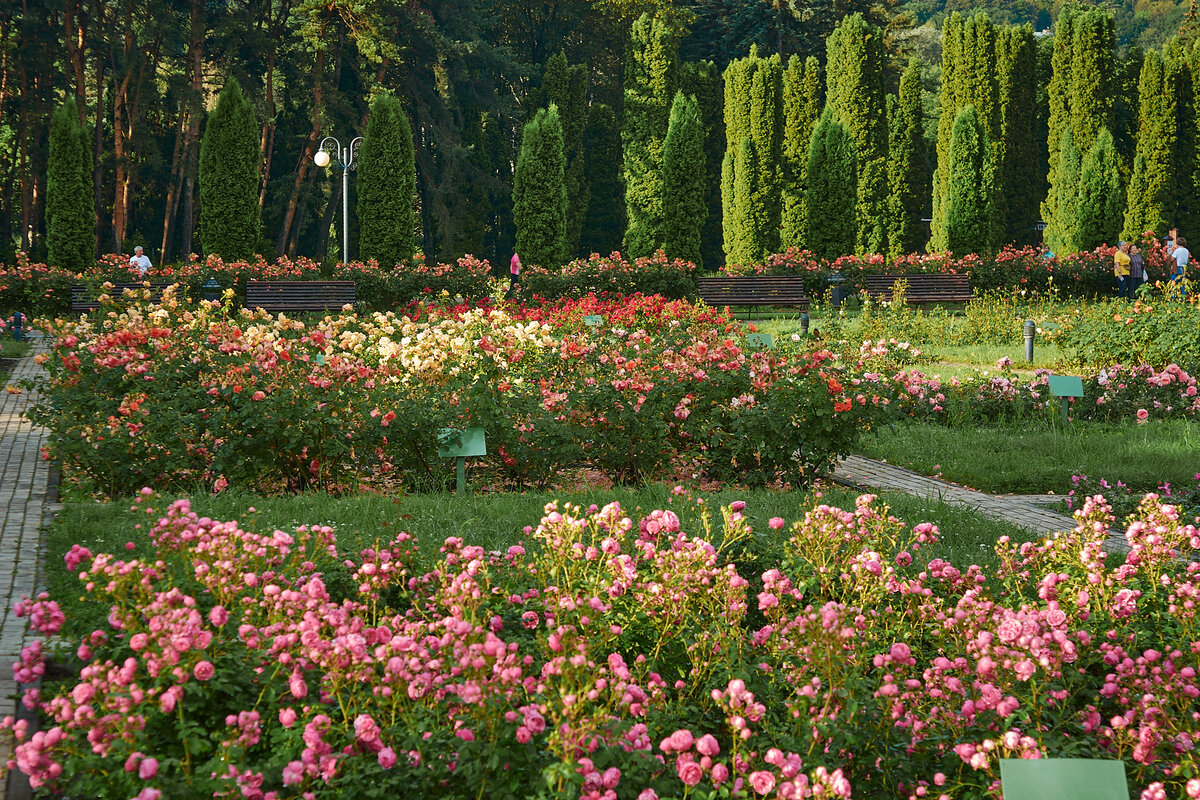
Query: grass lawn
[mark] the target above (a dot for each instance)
(493, 521)
(1039, 457)
(11, 348)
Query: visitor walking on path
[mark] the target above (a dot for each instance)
(1180, 253)
(1137, 269)
(514, 269)
(1121, 270)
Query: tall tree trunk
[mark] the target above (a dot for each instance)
(189, 213)
(26, 184)
(310, 147)
(335, 202)
(267, 143)
(189, 110)
(74, 36)
(98, 135)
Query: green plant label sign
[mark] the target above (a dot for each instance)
(1066, 386)
(593, 320)
(760, 340)
(466, 443)
(1063, 779)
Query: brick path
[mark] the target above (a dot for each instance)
(23, 483)
(1025, 511)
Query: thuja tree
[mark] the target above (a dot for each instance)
(832, 189)
(565, 86)
(802, 104)
(907, 172)
(539, 194)
(1150, 184)
(1098, 217)
(1066, 201)
(968, 203)
(650, 84)
(684, 182)
(70, 221)
(604, 222)
(702, 80)
(386, 184)
(229, 156)
(1019, 179)
(856, 92)
(751, 204)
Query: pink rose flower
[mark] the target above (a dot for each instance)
(387, 758)
(148, 768)
(707, 745)
(690, 773)
(762, 781)
(204, 670)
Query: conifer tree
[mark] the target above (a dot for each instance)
(968, 203)
(1186, 156)
(741, 241)
(386, 184)
(539, 194)
(229, 155)
(1061, 237)
(856, 92)
(650, 83)
(702, 80)
(1149, 195)
(906, 165)
(801, 109)
(604, 222)
(1020, 180)
(832, 189)
(70, 219)
(1098, 217)
(566, 87)
(684, 176)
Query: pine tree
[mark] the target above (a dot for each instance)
(968, 203)
(1098, 217)
(832, 189)
(907, 180)
(1020, 178)
(801, 109)
(684, 176)
(650, 83)
(856, 92)
(604, 222)
(702, 80)
(70, 219)
(565, 86)
(539, 194)
(229, 155)
(754, 110)
(1150, 187)
(386, 184)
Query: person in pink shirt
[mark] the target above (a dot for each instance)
(514, 268)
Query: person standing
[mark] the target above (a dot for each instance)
(1121, 269)
(1137, 269)
(514, 270)
(1181, 255)
(140, 261)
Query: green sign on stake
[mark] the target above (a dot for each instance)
(593, 320)
(1064, 386)
(1063, 779)
(461, 445)
(760, 340)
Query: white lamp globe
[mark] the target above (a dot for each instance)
(321, 158)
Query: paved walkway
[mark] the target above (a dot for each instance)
(1025, 511)
(23, 481)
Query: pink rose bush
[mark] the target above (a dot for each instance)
(609, 657)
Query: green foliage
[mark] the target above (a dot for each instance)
(1020, 178)
(604, 222)
(801, 109)
(566, 87)
(969, 210)
(1098, 218)
(229, 155)
(69, 215)
(650, 84)
(832, 189)
(856, 92)
(1106, 333)
(907, 179)
(386, 184)
(1060, 237)
(684, 187)
(539, 194)
(702, 80)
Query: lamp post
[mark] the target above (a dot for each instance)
(345, 157)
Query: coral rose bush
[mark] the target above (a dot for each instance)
(609, 657)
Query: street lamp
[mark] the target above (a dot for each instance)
(345, 156)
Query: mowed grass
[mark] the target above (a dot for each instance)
(492, 521)
(1037, 457)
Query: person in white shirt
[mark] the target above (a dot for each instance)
(140, 260)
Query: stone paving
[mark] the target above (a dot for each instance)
(1025, 511)
(24, 477)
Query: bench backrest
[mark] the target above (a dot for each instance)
(922, 286)
(83, 295)
(299, 295)
(767, 288)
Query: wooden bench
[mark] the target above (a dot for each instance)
(83, 295)
(754, 291)
(923, 289)
(276, 296)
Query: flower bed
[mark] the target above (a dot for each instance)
(178, 395)
(1157, 334)
(619, 658)
(673, 279)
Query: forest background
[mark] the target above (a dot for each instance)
(469, 73)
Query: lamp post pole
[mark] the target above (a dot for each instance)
(345, 157)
